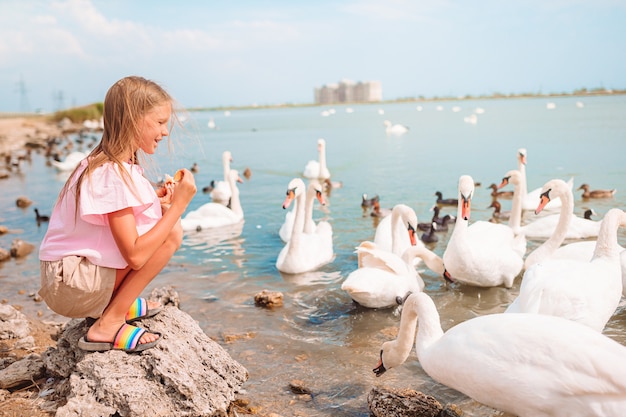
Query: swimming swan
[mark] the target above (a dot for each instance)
(212, 215)
(304, 251)
(318, 169)
(544, 227)
(528, 365)
(481, 254)
(585, 291)
(314, 190)
(384, 279)
(221, 191)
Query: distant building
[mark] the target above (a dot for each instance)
(348, 91)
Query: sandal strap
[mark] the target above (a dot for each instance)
(138, 308)
(127, 337)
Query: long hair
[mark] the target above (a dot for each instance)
(125, 104)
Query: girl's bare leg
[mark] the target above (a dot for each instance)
(128, 286)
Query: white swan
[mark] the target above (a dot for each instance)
(395, 129)
(70, 162)
(221, 191)
(548, 249)
(514, 177)
(391, 233)
(480, 255)
(544, 227)
(584, 291)
(384, 279)
(318, 169)
(584, 250)
(314, 190)
(528, 365)
(211, 215)
(304, 251)
(531, 199)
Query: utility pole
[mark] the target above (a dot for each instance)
(59, 99)
(21, 88)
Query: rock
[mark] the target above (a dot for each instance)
(186, 374)
(20, 248)
(13, 324)
(5, 255)
(166, 296)
(22, 372)
(298, 387)
(3, 229)
(269, 299)
(388, 402)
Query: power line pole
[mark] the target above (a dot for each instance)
(21, 88)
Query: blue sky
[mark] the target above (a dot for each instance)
(218, 53)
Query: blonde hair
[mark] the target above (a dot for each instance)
(125, 105)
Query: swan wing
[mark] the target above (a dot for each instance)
(381, 259)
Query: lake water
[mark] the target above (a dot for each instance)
(320, 336)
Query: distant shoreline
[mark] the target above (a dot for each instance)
(495, 96)
(577, 93)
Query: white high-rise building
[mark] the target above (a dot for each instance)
(347, 91)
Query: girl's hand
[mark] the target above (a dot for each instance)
(165, 193)
(185, 188)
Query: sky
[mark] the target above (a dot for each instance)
(57, 54)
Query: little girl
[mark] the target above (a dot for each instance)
(110, 232)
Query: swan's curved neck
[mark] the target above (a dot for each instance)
(322, 158)
(521, 167)
(515, 221)
(430, 330)
(235, 203)
(551, 244)
(607, 244)
(226, 164)
(396, 228)
(309, 224)
(430, 258)
(298, 222)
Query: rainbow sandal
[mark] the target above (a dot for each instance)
(139, 310)
(127, 339)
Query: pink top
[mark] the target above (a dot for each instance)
(89, 234)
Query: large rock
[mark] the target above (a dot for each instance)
(186, 374)
(390, 402)
(13, 324)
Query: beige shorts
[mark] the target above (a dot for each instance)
(74, 287)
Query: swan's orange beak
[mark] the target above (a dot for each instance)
(412, 236)
(291, 194)
(447, 276)
(320, 197)
(522, 158)
(505, 182)
(465, 207)
(543, 200)
(380, 368)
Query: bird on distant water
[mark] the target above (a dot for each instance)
(40, 217)
(589, 193)
(23, 202)
(500, 194)
(367, 202)
(395, 129)
(588, 213)
(446, 201)
(498, 214)
(430, 236)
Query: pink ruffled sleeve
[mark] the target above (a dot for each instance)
(106, 192)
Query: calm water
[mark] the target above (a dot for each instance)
(319, 336)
